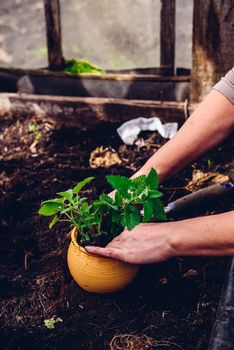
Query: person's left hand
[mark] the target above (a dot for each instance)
(145, 244)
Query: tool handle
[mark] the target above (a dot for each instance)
(200, 197)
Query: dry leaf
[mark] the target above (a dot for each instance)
(104, 158)
(201, 179)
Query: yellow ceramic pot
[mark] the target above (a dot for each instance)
(95, 273)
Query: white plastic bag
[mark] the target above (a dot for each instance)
(129, 130)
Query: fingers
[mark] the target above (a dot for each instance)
(68, 235)
(112, 194)
(114, 253)
(123, 236)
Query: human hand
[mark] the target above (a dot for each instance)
(145, 244)
(112, 194)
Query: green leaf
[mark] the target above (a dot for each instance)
(155, 194)
(140, 180)
(81, 200)
(32, 127)
(120, 183)
(140, 189)
(134, 220)
(67, 194)
(85, 207)
(148, 211)
(132, 217)
(97, 203)
(122, 221)
(116, 218)
(53, 222)
(56, 200)
(152, 179)
(67, 209)
(49, 208)
(158, 209)
(51, 322)
(105, 199)
(118, 199)
(125, 194)
(81, 184)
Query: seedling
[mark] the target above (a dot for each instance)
(51, 322)
(209, 164)
(99, 221)
(33, 128)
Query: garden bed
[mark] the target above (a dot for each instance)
(171, 305)
(141, 84)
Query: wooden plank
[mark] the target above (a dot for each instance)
(160, 71)
(142, 87)
(54, 37)
(85, 113)
(167, 34)
(213, 44)
(105, 76)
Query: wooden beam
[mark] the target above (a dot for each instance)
(105, 76)
(85, 113)
(167, 34)
(54, 37)
(213, 44)
(137, 86)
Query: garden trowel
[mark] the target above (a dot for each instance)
(202, 197)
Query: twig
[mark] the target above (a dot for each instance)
(174, 188)
(132, 341)
(117, 306)
(5, 308)
(167, 343)
(27, 254)
(41, 302)
(171, 196)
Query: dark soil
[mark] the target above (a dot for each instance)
(171, 305)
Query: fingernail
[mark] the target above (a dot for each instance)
(88, 248)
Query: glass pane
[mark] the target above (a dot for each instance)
(184, 27)
(22, 33)
(112, 34)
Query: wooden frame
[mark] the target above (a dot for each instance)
(54, 35)
(167, 34)
(85, 113)
(109, 85)
(213, 45)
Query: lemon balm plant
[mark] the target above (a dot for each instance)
(99, 221)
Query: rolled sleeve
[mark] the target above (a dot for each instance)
(226, 85)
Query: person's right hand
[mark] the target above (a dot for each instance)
(145, 244)
(154, 242)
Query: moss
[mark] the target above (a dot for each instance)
(81, 66)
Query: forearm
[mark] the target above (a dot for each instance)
(210, 124)
(204, 236)
(155, 242)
